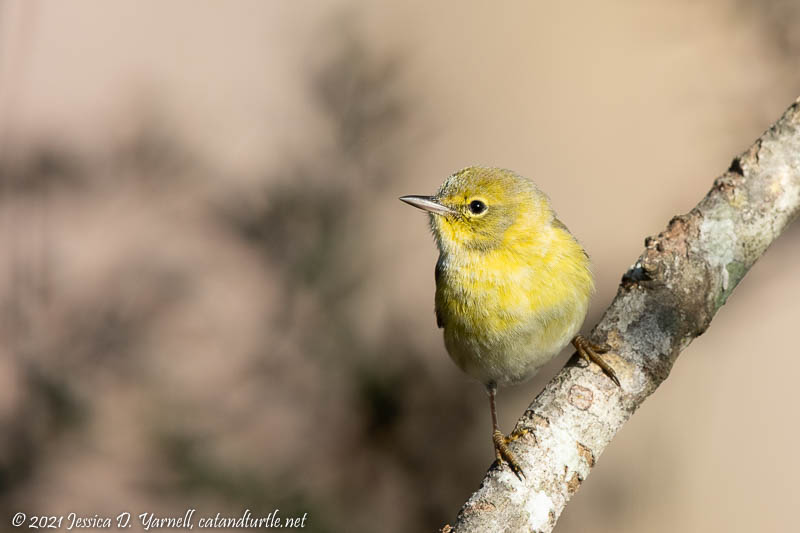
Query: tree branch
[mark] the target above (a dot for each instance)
(666, 299)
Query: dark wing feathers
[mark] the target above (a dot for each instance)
(437, 276)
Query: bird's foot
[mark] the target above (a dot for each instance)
(504, 454)
(593, 353)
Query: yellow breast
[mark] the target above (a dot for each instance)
(508, 310)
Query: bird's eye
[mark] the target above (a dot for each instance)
(477, 207)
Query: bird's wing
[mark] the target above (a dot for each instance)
(437, 277)
(560, 225)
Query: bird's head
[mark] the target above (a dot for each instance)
(482, 209)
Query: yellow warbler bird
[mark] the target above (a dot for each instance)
(512, 283)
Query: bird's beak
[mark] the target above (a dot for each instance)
(427, 203)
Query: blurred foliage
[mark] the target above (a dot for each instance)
(364, 414)
(780, 19)
(310, 228)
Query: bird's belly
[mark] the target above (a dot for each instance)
(505, 334)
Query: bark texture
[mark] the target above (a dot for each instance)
(666, 299)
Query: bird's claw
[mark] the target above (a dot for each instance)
(592, 353)
(504, 454)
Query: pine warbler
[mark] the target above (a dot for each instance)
(512, 283)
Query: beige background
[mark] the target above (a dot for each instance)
(211, 297)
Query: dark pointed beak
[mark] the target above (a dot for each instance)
(427, 203)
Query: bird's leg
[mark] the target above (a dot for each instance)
(593, 353)
(501, 441)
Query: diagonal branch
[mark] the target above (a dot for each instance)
(666, 299)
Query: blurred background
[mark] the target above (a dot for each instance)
(210, 296)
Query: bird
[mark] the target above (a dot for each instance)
(513, 285)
